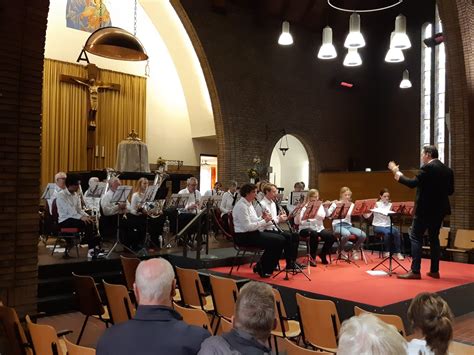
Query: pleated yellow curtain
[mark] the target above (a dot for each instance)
(64, 118)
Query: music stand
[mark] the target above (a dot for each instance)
(148, 198)
(340, 212)
(361, 208)
(390, 258)
(120, 196)
(311, 213)
(49, 191)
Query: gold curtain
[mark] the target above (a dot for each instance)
(64, 121)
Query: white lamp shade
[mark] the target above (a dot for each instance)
(405, 83)
(285, 38)
(394, 55)
(327, 50)
(354, 39)
(352, 58)
(400, 40)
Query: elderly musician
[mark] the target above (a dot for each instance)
(110, 210)
(92, 203)
(70, 213)
(192, 205)
(60, 181)
(247, 225)
(267, 204)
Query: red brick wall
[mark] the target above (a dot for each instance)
(458, 23)
(22, 28)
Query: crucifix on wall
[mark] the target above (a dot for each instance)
(94, 87)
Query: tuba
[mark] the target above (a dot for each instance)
(155, 209)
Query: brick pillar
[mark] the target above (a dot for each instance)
(458, 23)
(23, 29)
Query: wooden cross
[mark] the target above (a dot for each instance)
(93, 85)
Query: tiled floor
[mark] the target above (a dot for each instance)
(463, 330)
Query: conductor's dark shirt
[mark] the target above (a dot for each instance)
(153, 330)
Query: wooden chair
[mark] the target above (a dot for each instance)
(285, 328)
(73, 349)
(392, 319)
(319, 321)
(129, 267)
(119, 304)
(224, 295)
(226, 326)
(191, 290)
(45, 339)
(194, 316)
(291, 348)
(463, 242)
(89, 302)
(17, 341)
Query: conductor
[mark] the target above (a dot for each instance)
(434, 183)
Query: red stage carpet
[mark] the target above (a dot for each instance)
(346, 281)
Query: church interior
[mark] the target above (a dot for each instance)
(220, 94)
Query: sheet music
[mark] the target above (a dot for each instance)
(48, 191)
(97, 191)
(297, 197)
(121, 194)
(385, 212)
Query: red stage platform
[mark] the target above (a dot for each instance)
(349, 283)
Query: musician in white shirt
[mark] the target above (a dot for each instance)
(267, 204)
(344, 226)
(192, 204)
(70, 213)
(92, 202)
(382, 224)
(298, 187)
(247, 227)
(60, 181)
(229, 198)
(216, 191)
(314, 228)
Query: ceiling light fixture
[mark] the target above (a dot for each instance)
(285, 38)
(400, 40)
(352, 58)
(394, 55)
(327, 50)
(354, 39)
(405, 83)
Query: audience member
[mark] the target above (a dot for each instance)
(431, 320)
(156, 327)
(252, 324)
(368, 335)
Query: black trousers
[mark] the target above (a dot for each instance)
(87, 228)
(290, 248)
(418, 228)
(325, 235)
(272, 244)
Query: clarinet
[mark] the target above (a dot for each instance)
(282, 211)
(263, 211)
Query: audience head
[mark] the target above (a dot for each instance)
(141, 184)
(233, 186)
(384, 195)
(154, 282)
(248, 191)
(60, 179)
(255, 310)
(368, 335)
(345, 194)
(93, 181)
(431, 315)
(312, 195)
(114, 183)
(298, 186)
(72, 182)
(429, 152)
(192, 184)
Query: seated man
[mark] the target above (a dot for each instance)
(216, 191)
(247, 225)
(70, 213)
(192, 205)
(60, 181)
(252, 324)
(156, 327)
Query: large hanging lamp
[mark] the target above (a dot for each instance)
(115, 43)
(400, 40)
(354, 39)
(285, 38)
(327, 50)
(405, 83)
(394, 55)
(352, 58)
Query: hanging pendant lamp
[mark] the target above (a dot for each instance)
(394, 55)
(285, 38)
(352, 58)
(327, 50)
(354, 39)
(405, 83)
(400, 40)
(115, 43)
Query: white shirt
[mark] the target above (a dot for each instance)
(213, 192)
(271, 207)
(227, 203)
(315, 224)
(50, 201)
(245, 217)
(381, 220)
(91, 202)
(137, 197)
(346, 219)
(69, 206)
(194, 198)
(419, 346)
(109, 208)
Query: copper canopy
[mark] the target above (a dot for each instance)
(115, 43)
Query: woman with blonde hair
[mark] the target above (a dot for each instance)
(432, 322)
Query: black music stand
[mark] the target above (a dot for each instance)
(120, 196)
(340, 212)
(389, 258)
